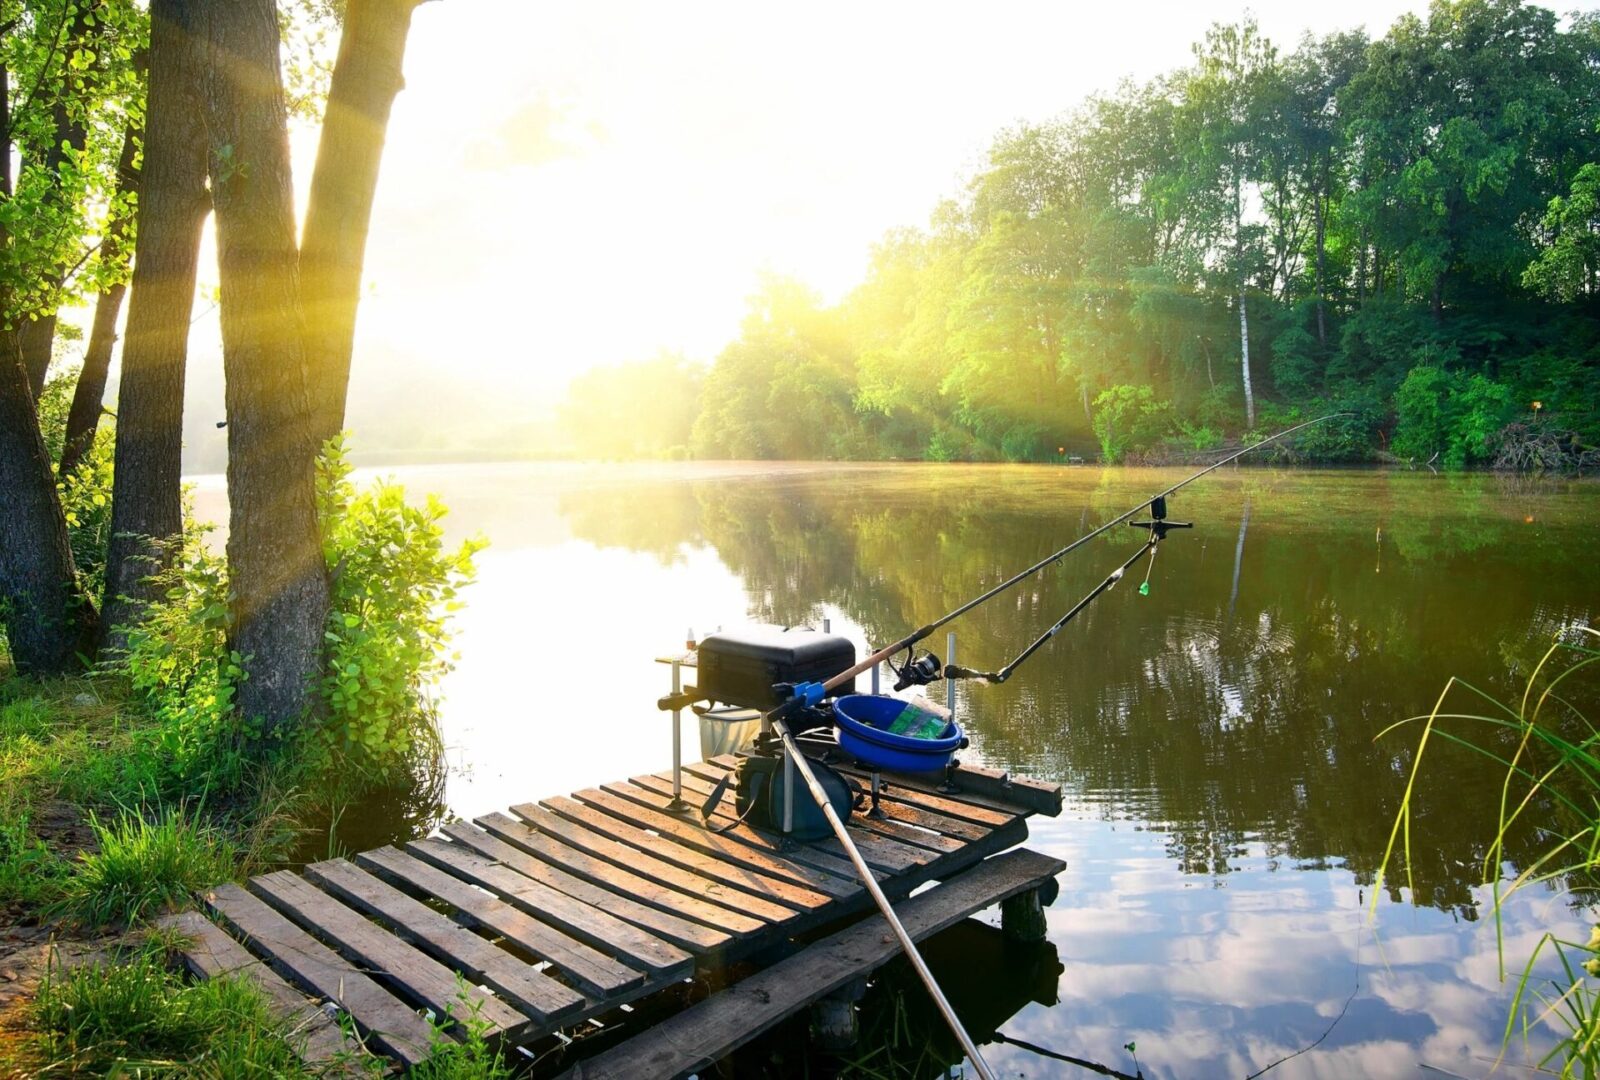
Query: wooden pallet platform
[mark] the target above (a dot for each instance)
(557, 912)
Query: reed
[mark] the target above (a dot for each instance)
(1550, 752)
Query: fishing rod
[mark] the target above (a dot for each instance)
(809, 694)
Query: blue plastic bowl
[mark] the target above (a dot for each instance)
(863, 720)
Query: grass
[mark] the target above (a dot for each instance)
(143, 868)
(1551, 755)
(137, 1017)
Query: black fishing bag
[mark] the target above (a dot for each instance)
(740, 667)
(758, 797)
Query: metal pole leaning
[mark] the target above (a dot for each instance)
(907, 946)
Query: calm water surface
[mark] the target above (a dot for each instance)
(1227, 802)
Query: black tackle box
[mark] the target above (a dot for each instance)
(739, 667)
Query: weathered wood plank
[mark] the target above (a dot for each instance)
(629, 944)
(910, 813)
(413, 974)
(388, 1023)
(741, 845)
(778, 889)
(530, 990)
(679, 931)
(590, 970)
(894, 830)
(881, 853)
(212, 954)
(616, 879)
(755, 903)
(915, 792)
(700, 1035)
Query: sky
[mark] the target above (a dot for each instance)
(570, 185)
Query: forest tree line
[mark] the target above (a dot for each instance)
(1405, 229)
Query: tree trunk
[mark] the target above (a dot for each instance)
(275, 566)
(84, 418)
(1244, 318)
(1244, 361)
(49, 622)
(146, 504)
(366, 78)
(1322, 314)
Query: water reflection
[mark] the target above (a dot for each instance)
(1227, 802)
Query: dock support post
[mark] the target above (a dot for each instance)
(877, 672)
(677, 803)
(834, 1026)
(788, 794)
(1022, 916)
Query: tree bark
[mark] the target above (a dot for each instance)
(1322, 314)
(275, 566)
(1244, 318)
(146, 505)
(366, 78)
(83, 420)
(49, 622)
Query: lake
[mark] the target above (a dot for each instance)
(1228, 797)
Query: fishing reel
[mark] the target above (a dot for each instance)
(917, 671)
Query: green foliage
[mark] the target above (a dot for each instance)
(393, 587)
(85, 492)
(138, 1017)
(1373, 217)
(142, 868)
(1450, 415)
(1552, 769)
(30, 874)
(1129, 418)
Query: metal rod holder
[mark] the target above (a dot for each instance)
(677, 804)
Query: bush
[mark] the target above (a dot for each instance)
(1129, 418)
(393, 588)
(1449, 415)
(143, 868)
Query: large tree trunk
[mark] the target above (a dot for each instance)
(366, 78)
(146, 505)
(83, 420)
(49, 622)
(275, 566)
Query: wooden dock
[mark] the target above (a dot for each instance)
(556, 914)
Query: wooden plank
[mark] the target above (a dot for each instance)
(741, 845)
(881, 853)
(390, 1025)
(626, 942)
(211, 954)
(689, 901)
(828, 855)
(777, 889)
(708, 1031)
(529, 989)
(914, 792)
(754, 902)
(679, 931)
(590, 970)
(413, 974)
(894, 830)
(909, 813)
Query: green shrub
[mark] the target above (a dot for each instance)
(1451, 415)
(1129, 418)
(143, 868)
(393, 587)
